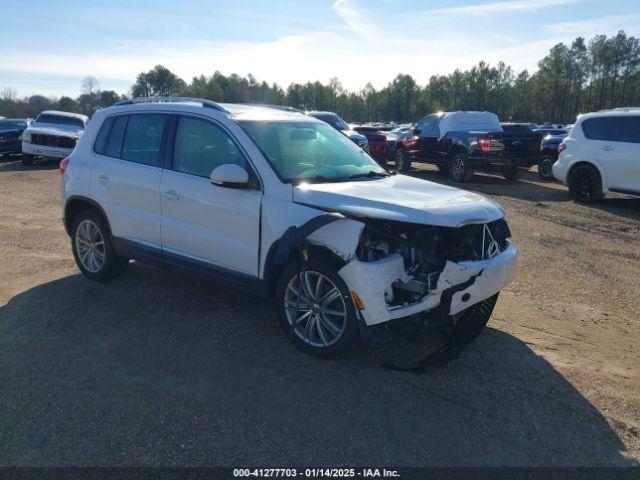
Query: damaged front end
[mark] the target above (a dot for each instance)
(398, 269)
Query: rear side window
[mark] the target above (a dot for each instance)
(113, 147)
(143, 138)
(201, 146)
(629, 130)
(101, 140)
(600, 128)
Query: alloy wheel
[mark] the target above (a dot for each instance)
(90, 246)
(315, 308)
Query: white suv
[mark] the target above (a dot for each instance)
(285, 206)
(601, 154)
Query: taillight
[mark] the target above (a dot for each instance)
(562, 147)
(411, 141)
(64, 163)
(485, 144)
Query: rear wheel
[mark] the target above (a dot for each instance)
(93, 249)
(315, 308)
(510, 173)
(544, 169)
(585, 184)
(403, 164)
(27, 159)
(458, 168)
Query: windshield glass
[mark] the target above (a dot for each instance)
(5, 124)
(310, 151)
(334, 120)
(60, 120)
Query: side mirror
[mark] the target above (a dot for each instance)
(230, 175)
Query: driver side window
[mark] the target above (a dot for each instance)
(201, 146)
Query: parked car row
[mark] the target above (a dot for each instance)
(11, 134)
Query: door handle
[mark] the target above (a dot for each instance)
(171, 195)
(607, 148)
(103, 179)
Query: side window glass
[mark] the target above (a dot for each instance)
(599, 128)
(113, 147)
(201, 146)
(629, 130)
(101, 139)
(143, 139)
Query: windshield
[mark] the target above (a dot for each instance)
(334, 120)
(310, 151)
(4, 124)
(60, 120)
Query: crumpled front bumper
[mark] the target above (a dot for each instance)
(476, 281)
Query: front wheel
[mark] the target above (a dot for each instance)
(544, 169)
(585, 184)
(316, 310)
(93, 249)
(403, 164)
(459, 168)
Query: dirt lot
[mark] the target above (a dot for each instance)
(155, 368)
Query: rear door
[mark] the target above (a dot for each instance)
(203, 222)
(621, 157)
(126, 176)
(428, 147)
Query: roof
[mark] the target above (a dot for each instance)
(237, 111)
(65, 114)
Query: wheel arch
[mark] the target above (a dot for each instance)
(589, 164)
(76, 204)
(456, 149)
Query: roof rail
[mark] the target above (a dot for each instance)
(277, 107)
(205, 103)
(619, 109)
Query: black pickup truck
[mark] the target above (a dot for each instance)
(461, 142)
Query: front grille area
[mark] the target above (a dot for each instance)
(52, 141)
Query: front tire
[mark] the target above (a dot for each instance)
(585, 184)
(458, 168)
(27, 160)
(545, 171)
(403, 164)
(325, 323)
(93, 248)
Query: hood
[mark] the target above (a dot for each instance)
(400, 198)
(11, 130)
(53, 129)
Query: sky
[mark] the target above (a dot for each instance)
(48, 46)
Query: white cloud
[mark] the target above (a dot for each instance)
(502, 7)
(355, 17)
(601, 25)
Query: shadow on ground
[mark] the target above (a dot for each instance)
(14, 164)
(156, 368)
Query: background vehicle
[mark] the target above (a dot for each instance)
(551, 131)
(281, 204)
(550, 144)
(461, 142)
(339, 124)
(11, 135)
(601, 154)
(52, 134)
(378, 145)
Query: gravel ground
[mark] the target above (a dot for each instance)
(155, 368)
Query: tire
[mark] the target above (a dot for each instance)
(544, 169)
(403, 164)
(585, 184)
(99, 261)
(320, 334)
(458, 168)
(27, 160)
(511, 173)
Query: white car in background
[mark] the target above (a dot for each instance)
(52, 134)
(282, 205)
(601, 154)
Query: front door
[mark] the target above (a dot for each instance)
(202, 221)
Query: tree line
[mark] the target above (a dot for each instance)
(571, 79)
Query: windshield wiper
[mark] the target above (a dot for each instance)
(370, 174)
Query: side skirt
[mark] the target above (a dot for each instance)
(155, 256)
